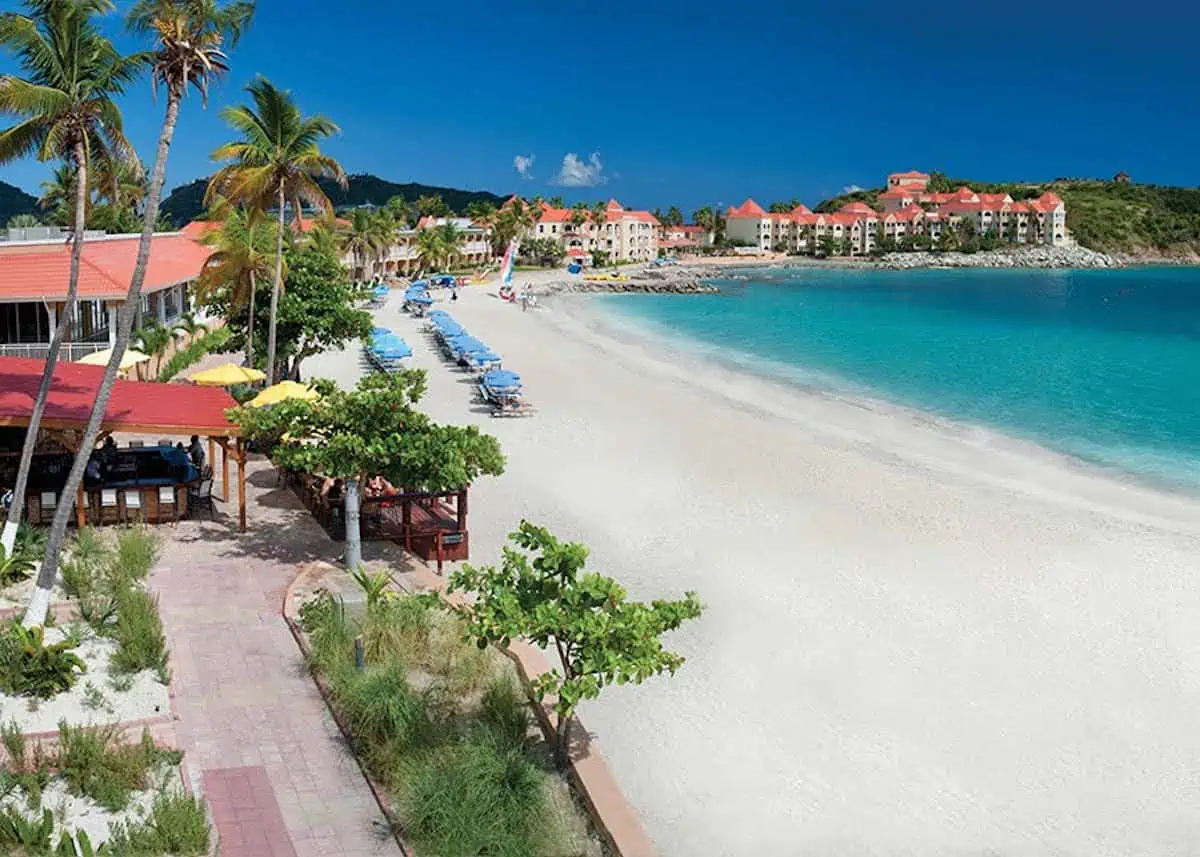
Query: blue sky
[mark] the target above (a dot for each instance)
(707, 102)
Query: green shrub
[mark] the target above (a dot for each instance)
(86, 576)
(178, 825)
(15, 567)
(397, 628)
(137, 549)
(29, 667)
(383, 708)
(138, 632)
(503, 715)
(477, 799)
(21, 835)
(99, 763)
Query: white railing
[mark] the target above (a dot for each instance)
(70, 351)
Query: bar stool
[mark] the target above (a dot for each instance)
(166, 503)
(48, 503)
(110, 507)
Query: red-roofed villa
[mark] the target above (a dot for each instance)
(35, 267)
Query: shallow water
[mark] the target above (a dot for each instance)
(1102, 365)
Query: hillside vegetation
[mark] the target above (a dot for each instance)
(186, 202)
(14, 201)
(1111, 217)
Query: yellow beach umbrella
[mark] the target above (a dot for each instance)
(281, 391)
(226, 375)
(129, 359)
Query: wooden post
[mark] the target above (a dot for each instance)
(461, 507)
(212, 453)
(80, 509)
(225, 470)
(241, 465)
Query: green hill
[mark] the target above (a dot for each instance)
(14, 201)
(186, 202)
(1121, 217)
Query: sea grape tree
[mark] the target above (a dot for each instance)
(541, 593)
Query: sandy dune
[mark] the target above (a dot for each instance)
(917, 640)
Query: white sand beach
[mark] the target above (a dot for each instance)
(917, 641)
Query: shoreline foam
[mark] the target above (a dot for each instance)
(758, 382)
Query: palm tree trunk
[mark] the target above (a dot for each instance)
(250, 322)
(39, 602)
(353, 533)
(8, 537)
(276, 284)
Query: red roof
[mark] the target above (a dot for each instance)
(308, 223)
(613, 205)
(859, 208)
(135, 406)
(911, 174)
(898, 192)
(197, 229)
(749, 208)
(42, 271)
(576, 252)
(909, 212)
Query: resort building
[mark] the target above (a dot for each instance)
(35, 270)
(624, 234)
(906, 208)
(403, 257)
(682, 239)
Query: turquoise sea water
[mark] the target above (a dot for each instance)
(1102, 365)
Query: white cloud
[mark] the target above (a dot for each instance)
(579, 173)
(523, 164)
(852, 188)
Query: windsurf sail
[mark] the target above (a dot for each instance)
(510, 259)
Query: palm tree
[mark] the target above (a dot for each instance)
(188, 38)
(430, 249)
(449, 235)
(599, 213)
(361, 240)
(189, 325)
(242, 253)
(277, 160)
(432, 206)
(153, 340)
(59, 196)
(65, 111)
(23, 221)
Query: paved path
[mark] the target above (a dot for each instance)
(258, 739)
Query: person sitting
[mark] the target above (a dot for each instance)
(109, 447)
(196, 452)
(331, 490)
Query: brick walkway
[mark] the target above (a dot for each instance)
(257, 736)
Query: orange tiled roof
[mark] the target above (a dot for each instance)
(42, 271)
(859, 208)
(749, 208)
(911, 174)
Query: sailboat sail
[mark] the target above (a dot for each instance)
(506, 265)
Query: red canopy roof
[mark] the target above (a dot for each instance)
(135, 406)
(42, 270)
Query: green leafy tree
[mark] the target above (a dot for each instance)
(400, 210)
(780, 207)
(826, 245)
(63, 99)
(364, 240)
(318, 311)
(946, 239)
(673, 217)
(450, 237)
(545, 252)
(557, 202)
(599, 216)
(375, 430)
(541, 593)
(277, 160)
(432, 206)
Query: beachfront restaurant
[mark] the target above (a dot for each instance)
(141, 470)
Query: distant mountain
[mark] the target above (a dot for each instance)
(1152, 221)
(186, 202)
(14, 201)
